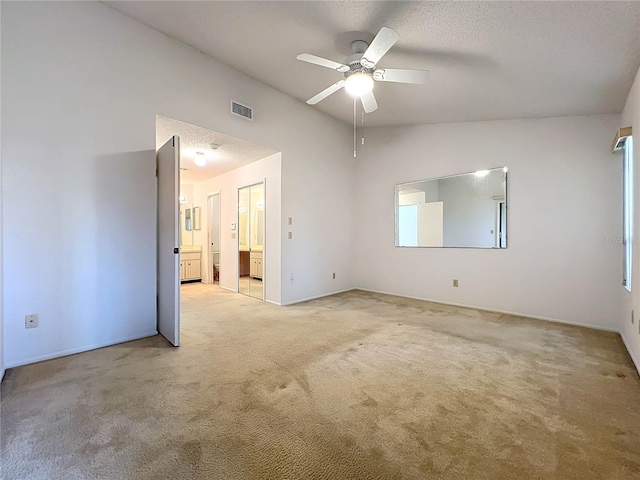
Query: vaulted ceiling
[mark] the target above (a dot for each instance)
(488, 60)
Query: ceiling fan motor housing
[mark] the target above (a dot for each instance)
(355, 66)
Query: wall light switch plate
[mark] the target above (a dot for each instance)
(31, 321)
(290, 235)
(455, 283)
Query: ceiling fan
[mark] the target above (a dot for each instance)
(360, 71)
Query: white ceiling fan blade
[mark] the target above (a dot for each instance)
(326, 92)
(385, 39)
(369, 102)
(400, 75)
(323, 62)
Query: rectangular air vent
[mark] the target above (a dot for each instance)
(241, 110)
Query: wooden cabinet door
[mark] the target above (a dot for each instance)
(195, 269)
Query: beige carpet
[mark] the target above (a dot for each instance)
(354, 386)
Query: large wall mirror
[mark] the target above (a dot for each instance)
(251, 217)
(467, 210)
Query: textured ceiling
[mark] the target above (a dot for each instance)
(488, 60)
(231, 153)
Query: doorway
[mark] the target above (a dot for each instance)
(210, 169)
(502, 225)
(251, 240)
(213, 222)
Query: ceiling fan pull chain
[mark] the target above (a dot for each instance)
(362, 127)
(355, 121)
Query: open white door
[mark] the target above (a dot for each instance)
(168, 164)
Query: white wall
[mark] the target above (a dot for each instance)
(631, 300)
(186, 190)
(268, 169)
(563, 199)
(82, 85)
(2, 368)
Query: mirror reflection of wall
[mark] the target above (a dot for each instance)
(467, 210)
(243, 219)
(257, 216)
(195, 218)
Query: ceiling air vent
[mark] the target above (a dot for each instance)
(241, 110)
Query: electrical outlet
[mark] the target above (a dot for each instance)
(632, 318)
(290, 235)
(233, 235)
(290, 221)
(291, 279)
(334, 275)
(31, 321)
(455, 283)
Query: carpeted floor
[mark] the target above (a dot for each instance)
(353, 386)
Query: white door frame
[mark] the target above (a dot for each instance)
(210, 268)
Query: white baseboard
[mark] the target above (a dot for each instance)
(317, 296)
(273, 303)
(227, 288)
(506, 312)
(73, 351)
(634, 359)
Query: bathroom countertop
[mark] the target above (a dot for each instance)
(190, 248)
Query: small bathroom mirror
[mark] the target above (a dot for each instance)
(187, 219)
(195, 220)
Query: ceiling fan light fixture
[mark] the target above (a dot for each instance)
(358, 84)
(200, 160)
